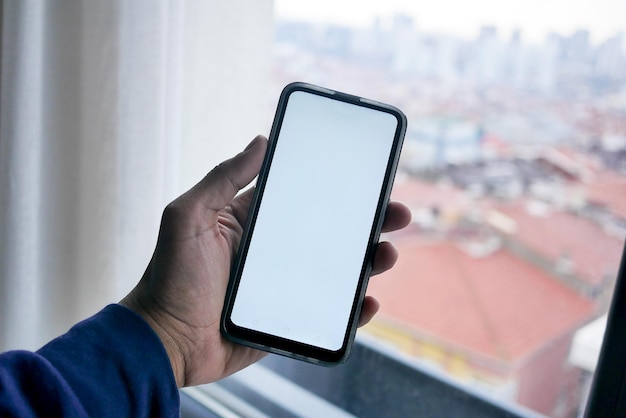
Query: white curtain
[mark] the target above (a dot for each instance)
(108, 110)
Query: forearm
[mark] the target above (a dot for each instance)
(111, 364)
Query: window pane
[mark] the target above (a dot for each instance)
(514, 166)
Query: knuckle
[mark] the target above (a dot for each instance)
(172, 209)
(174, 213)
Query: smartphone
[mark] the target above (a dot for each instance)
(301, 271)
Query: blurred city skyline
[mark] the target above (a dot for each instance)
(514, 162)
(534, 20)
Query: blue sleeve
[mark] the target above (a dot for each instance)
(110, 365)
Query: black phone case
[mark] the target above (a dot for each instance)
(282, 346)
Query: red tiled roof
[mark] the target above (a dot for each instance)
(603, 186)
(608, 189)
(593, 252)
(417, 193)
(497, 306)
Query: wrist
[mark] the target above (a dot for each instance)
(170, 343)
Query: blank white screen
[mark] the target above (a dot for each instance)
(307, 249)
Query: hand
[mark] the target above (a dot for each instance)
(182, 292)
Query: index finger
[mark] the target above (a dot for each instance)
(397, 217)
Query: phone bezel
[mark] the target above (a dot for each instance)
(276, 344)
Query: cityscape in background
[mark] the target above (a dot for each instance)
(514, 166)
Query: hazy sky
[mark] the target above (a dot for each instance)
(603, 18)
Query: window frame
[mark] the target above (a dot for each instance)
(607, 397)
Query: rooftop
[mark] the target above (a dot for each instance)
(608, 188)
(497, 306)
(418, 193)
(561, 235)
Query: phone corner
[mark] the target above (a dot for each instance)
(293, 86)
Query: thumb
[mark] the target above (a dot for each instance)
(219, 187)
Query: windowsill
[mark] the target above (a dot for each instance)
(375, 381)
